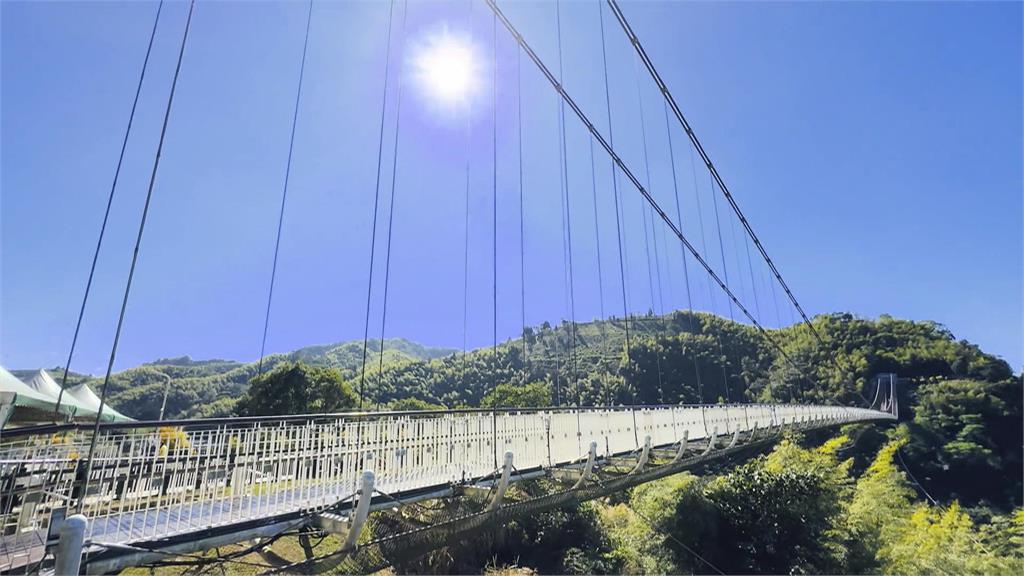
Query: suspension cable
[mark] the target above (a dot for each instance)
(700, 224)
(284, 191)
(635, 41)
(775, 302)
(721, 245)
(647, 171)
(647, 250)
(391, 216)
(376, 201)
(597, 230)
(704, 248)
(739, 267)
(660, 240)
(522, 225)
(686, 273)
(725, 271)
(750, 267)
(743, 288)
(619, 229)
(465, 244)
(135, 259)
(106, 213)
(568, 213)
(494, 186)
(629, 174)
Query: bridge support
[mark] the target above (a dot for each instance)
(362, 510)
(69, 548)
(588, 468)
(506, 474)
(682, 447)
(645, 455)
(711, 441)
(735, 439)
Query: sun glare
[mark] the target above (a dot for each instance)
(447, 69)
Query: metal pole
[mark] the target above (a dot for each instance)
(167, 387)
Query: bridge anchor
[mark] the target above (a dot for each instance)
(69, 549)
(359, 514)
(588, 468)
(711, 442)
(506, 474)
(735, 439)
(645, 455)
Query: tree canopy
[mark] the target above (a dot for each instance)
(509, 395)
(297, 388)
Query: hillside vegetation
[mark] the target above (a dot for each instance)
(960, 407)
(852, 504)
(207, 388)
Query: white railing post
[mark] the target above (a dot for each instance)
(735, 438)
(362, 510)
(682, 447)
(506, 474)
(69, 547)
(711, 441)
(588, 468)
(645, 454)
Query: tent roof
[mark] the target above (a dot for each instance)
(24, 395)
(84, 395)
(43, 383)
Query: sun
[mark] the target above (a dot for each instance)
(447, 69)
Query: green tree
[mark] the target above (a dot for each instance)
(297, 388)
(776, 514)
(532, 395)
(904, 537)
(965, 437)
(406, 404)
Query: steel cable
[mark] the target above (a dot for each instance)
(135, 259)
(284, 191)
(376, 201)
(629, 174)
(106, 213)
(391, 217)
(686, 274)
(635, 41)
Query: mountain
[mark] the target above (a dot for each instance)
(203, 388)
(959, 430)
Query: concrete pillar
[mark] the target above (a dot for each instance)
(69, 546)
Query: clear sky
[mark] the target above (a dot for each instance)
(876, 148)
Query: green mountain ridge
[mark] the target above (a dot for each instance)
(210, 387)
(677, 357)
(959, 430)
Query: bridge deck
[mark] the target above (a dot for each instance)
(152, 482)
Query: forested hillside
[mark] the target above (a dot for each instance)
(960, 407)
(855, 504)
(204, 388)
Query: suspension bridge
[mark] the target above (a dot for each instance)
(100, 496)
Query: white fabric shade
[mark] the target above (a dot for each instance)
(85, 396)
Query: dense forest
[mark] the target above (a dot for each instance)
(939, 492)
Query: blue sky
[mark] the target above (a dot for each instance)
(875, 147)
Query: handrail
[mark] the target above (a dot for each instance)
(194, 423)
(219, 472)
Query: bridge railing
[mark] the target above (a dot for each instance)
(153, 480)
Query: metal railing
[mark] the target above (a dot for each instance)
(153, 480)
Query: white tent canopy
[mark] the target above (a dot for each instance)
(22, 394)
(43, 383)
(37, 400)
(85, 396)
